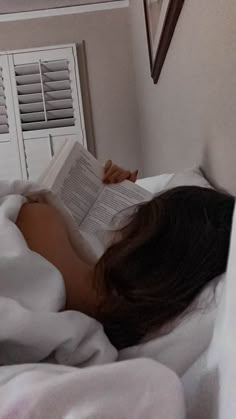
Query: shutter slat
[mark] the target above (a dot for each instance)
(49, 86)
(29, 88)
(4, 129)
(37, 97)
(28, 79)
(31, 107)
(56, 85)
(60, 104)
(22, 70)
(57, 123)
(57, 95)
(31, 117)
(3, 110)
(50, 105)
(60, 114)
(48, 76)
(57, 75)
(30, 98)
(3, 119)
(39, 116)
(54, 65)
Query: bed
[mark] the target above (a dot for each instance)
(189, 373)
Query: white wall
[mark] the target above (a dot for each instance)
(193, 106)
(110, 72)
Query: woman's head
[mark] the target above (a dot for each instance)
(172, 247)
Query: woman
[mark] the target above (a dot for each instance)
(161, 260)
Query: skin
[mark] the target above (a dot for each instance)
(45, 233)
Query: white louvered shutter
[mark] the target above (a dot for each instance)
(44, 95)
(10, 161)
(47, 104)
(4, 127)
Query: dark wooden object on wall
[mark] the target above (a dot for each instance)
(157, 59)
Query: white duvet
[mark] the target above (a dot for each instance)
(32, 329)
(33, 325)
(136, 389)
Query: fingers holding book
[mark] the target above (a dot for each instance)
(116, 174)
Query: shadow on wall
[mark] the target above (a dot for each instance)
(204, 401)
(86, 98)
(218, 163)
(209, 395)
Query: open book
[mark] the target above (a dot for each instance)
(75, 176)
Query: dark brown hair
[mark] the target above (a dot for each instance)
(173, 246)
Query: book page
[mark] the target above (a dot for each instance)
(79, 182)
(52, 171)
(108, 209)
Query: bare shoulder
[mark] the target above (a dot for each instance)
(45, 233)
(43, 228)
(36, 209)
(38, 215)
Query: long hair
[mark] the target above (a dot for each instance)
(173, 246)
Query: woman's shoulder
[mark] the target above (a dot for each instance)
(39, 216)
(44, 230)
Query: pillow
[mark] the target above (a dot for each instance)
(188, 338)
(156, 184)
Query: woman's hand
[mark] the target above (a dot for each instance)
(115, 174)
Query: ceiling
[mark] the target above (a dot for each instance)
(14, 6)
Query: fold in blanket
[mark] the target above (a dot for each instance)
(137, 389)
(33, 325)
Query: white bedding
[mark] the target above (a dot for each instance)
(210, 383)
(33, 325)
(210, 380)
(32, 329)
(188, 339)
(137, 389)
